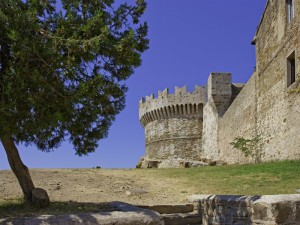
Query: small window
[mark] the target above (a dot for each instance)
(290, 10)
(291, 69)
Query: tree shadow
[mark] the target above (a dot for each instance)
(97, 213)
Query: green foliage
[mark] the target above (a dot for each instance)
(250, 147)
(62, 72)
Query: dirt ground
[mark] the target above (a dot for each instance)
(100, 185)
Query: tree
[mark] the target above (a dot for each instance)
(62, 73)
(249, 146)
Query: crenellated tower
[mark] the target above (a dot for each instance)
(173, 127)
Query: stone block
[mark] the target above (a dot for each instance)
(260, 211)
(243, 212)
(297, 212)
(282, 212)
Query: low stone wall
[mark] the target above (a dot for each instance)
(244, 210)
(124, 214)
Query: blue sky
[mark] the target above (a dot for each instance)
(188, 40)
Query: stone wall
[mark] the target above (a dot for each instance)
(239, 120)
(278, 110)
(267, 106)
(210, 131)
(180, 104)
(220, 96)
(173, 140)
(173, 127)
(219, 90)
(248, 210)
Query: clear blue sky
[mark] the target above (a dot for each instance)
(188, 40)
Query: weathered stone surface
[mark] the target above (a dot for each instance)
(173, 140)
(235, 209)
(298, 212)
(150, 163)
(260, 211)
(140, 163)
(40, 198)
(173, 127)
(279, 209)
(283, 212)
(182, 219)
(126, 215)
(168, 209)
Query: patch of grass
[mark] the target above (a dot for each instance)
(253, 179)
(15, 208)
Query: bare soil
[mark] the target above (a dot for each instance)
(133, 186)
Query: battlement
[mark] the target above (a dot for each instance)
(180, 104)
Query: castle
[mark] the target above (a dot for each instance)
(198, 128)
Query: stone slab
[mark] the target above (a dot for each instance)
(182, 219)
(168, 209)
(125, 215)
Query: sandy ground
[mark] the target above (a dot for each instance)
(100, 185)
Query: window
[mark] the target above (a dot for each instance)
(290, 10)
(291, 69)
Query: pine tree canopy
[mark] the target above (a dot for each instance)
(62, 69)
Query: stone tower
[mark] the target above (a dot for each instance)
(187, 128)
(173, 126)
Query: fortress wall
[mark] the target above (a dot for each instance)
(181, 102)
(210, 131)
(174, 139)
(278, 114)
(239, 120)
(266, 106)
(278, 110)
(271, 32)
(219, 98)
(173, 127)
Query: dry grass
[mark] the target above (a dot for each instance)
(163, 186)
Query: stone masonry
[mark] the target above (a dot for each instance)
(173, 127)
(187, 129)
(248, 210)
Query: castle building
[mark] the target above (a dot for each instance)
(190, 129)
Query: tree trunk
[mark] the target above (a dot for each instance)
(19, 169)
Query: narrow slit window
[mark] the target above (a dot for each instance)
(290, 10)
(291, 69)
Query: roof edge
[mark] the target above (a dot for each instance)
(253, 42)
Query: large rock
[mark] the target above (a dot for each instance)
(40, 198)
